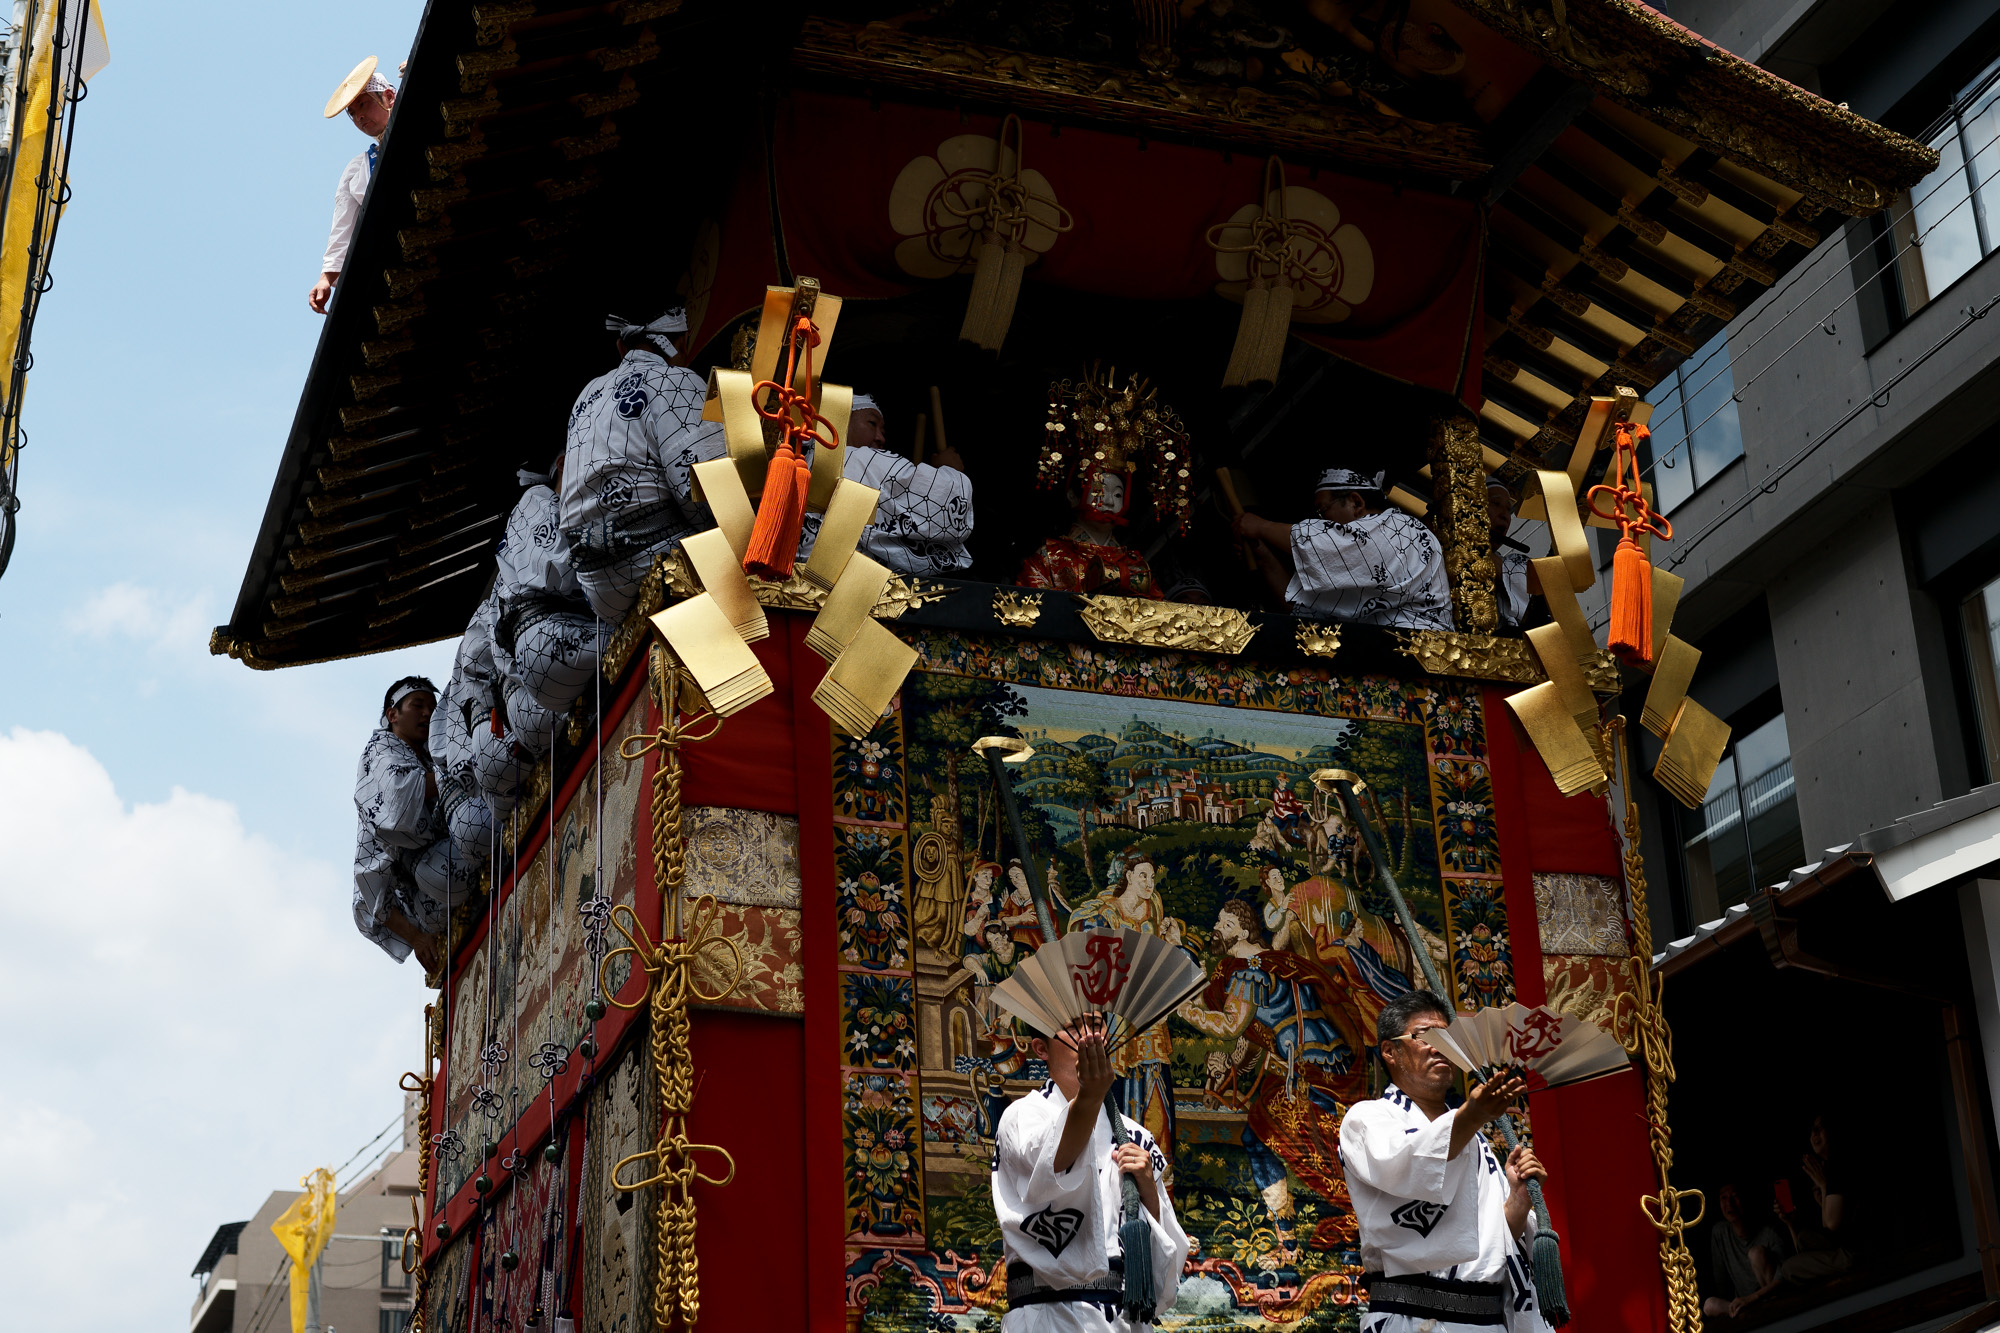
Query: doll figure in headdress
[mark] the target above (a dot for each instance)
(1097, 439)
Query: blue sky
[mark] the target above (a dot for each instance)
(190, 1019)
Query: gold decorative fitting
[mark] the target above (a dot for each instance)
(1491, 657)
(1205, 629)
(1458, 477)
(1319, 640)
(1017, 609)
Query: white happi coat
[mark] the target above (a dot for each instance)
(635, 435)
(924, 515)
(1382, 569)
(1421, 1212)
(1064, 1225)
(1513, 587)
(555, 634)
(403, 858)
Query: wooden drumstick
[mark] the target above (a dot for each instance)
(1228, 485)
(917, 449)
(937, 419)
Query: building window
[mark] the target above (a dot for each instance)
(393, 1275)
(1950, 220)
(1696, 432)
(1747, 830)
(393, 1321)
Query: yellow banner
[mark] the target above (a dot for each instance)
(303, 1230)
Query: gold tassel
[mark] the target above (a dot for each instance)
(1277, 329)
(985, 284)
(1006, 294)
(1249, 331)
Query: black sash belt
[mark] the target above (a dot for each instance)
(1437, 1298)
(1021, 1288)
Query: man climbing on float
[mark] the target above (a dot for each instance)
(1057, 1186)
(1445, 1228)
(635, 435)
(407, 875)
(545, 631)
(1361, 561)
(367, 98)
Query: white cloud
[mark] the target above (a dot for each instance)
(191, 1022)
(146, 615)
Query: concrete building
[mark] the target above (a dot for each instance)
(244, 1275)
(1831, 467)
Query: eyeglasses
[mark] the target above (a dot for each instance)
(1418, 1034)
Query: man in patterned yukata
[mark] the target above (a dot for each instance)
(545, 625)
(407, 876)
(1445, 1228)
(1361, 561)
(1512, 585)
(1057, 1182)
(635, 435)
(924, 516)
(463, 712)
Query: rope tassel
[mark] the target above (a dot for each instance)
(1000, 207)
(1268, 302)
(789, 409)
(1631, 636)
(1249, 332)
(1631, 639)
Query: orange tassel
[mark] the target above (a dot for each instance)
(1631, 639)
(774, 541)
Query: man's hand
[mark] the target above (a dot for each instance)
(321, 293)
(1522, 1166)
(1258, 528)
(1217, 1064)
(948, 457)
(1130, 1158)
(1488, 1101)
(1093, 1061)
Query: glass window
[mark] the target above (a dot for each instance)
(1695, 427)
(1746, 833)
(392, 1263)
(1954, 211)
(393, 1321)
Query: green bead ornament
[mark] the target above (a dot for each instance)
(594, 1010)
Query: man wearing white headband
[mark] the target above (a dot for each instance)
(1513, 581)
(1360, 561)
(407, 874)
(924, 516)
(635, 435)
(366, 97)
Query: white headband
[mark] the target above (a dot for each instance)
(673, 321)
(865, 403)
(377, 84)
(407, 689)
(1346, 479)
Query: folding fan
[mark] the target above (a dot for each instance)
(1134, 980)
(1553, 1050)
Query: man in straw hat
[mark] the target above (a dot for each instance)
(366, 97)
(1362, 560)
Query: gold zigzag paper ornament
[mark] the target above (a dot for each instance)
(763, 423)
(1561, 715)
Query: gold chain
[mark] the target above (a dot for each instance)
(413, 1238)
(668, 967)
(1639, 1021)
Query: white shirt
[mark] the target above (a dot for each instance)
(635, 435)
(1385, 568)
(1064, 1224)
(1421, 1211)
(347, 199)
(923, 516)
(533, 556)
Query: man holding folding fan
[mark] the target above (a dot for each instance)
(1445, 1227)
(1057, 1182)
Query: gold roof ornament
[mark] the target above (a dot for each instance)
(350, 87)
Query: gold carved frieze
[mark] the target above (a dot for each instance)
(1018, 610)
(882, 55)
(1182, 625)
(1494, 657)
(1319, 640)
(677, 581)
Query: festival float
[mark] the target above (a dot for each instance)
(726, 1033)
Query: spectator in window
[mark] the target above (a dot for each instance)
(1361, 561)
(1745, 1259)
(1823, 1235)
(366, 97)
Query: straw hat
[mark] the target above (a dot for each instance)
(350, 87)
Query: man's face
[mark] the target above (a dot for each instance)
(864, 429)
(1228, 929)
(1060, 1055)
(1141, 878)
(1340, 506)
(411, 719)
(1731, 1203)
(1499, 510)
(370, 112)
(1418, 1067)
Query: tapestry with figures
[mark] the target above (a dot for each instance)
(1169, 794)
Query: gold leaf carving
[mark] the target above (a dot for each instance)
(1206, 629)
(1019, 609)
(1319, 640)
(1492, 657)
